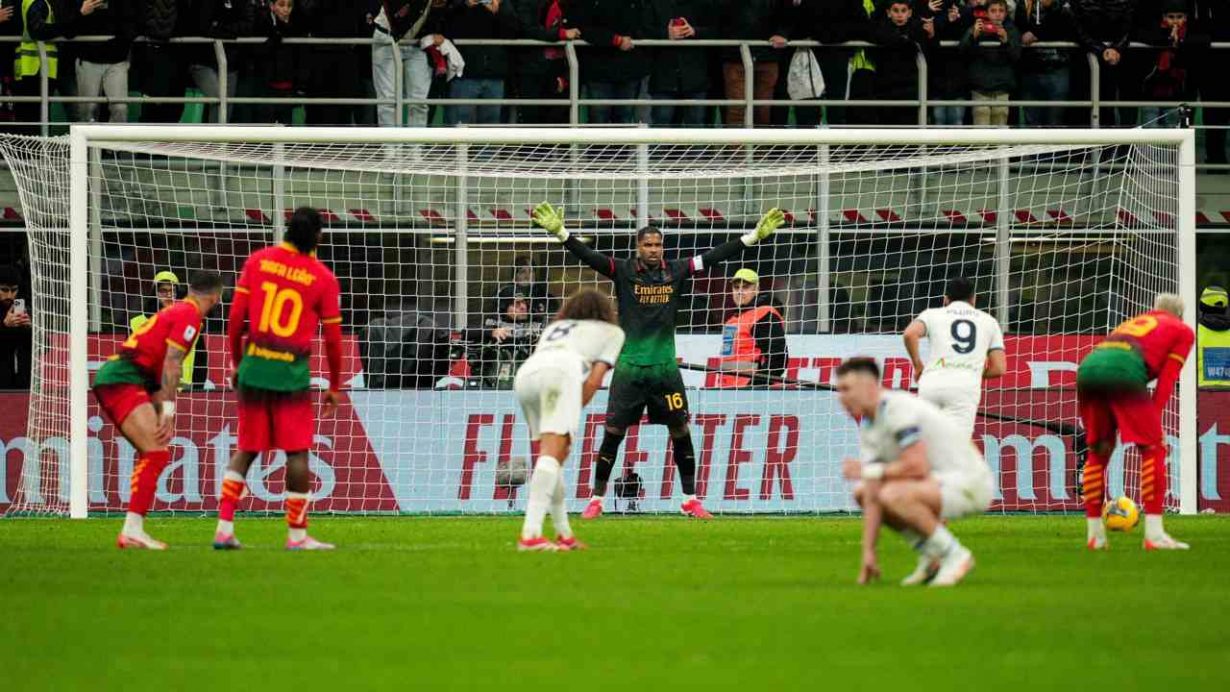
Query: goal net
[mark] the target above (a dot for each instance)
(446, 285)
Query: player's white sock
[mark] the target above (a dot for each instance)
(542, 486)
(226, 528)
(1153, 527)
(134, 524)
(688, 498)
(1097, 530)
(597, 498)
(297, 535)
(559, 513)
(940, 543)
(913, 538)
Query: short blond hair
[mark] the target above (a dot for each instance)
(1170, 302)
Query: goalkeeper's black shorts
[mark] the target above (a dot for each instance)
(657, 389)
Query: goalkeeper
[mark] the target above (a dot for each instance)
(648, 290)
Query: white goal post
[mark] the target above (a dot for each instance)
(1040, 212)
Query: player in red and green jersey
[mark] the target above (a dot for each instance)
(1112, 386)
(136, 389)
(283, 296)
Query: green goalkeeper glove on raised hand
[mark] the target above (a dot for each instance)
(771, 221)
(551, 220)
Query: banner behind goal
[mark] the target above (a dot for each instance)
(445, 283)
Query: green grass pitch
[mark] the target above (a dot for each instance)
(656, 603)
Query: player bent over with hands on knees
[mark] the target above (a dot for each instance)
(917, 470)
(573, 356)
(136, 389)
(1112, 388)
(283, 293)
(649, 289)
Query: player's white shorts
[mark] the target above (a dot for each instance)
(550, 394)
(965, 493)
(956, 395)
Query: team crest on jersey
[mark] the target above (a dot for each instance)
(189, 333)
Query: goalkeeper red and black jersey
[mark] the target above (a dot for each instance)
(282, 296)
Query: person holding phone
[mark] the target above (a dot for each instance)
(15, 333)
(992, 47)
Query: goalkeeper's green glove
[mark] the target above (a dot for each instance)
(551, 220)
(771, 221)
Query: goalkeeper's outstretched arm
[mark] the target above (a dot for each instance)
(551, 220)
(768, 223)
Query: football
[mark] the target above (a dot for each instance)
(1121, 514)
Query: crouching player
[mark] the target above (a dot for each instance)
(917, 471)
(136, 388)
(1112, 387)
(573, 355)
(283, 293)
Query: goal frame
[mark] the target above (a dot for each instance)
(82, 136)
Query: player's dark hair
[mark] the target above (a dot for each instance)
(646, 230)
(205, 282)
(303, 231)
(859, 364)
(959, 288)
(587, 304)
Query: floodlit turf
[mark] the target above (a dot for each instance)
(658, 603)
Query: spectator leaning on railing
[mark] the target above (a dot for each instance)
(401, 25)
(1212, 18)
(901, 36)
(339, 71)
(279, 70)
(221, 19)
(102, 67)
(992, 46)
(1104, 28)
(1167, 76)
(681, 73)
(947, 74)
(542, 73)
(486, 67)
(613, 68)
(1045, 72)
(830, 22)
(754, 20)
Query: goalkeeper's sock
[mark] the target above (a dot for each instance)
(607, 452)
(1154, 531)
(144, 485)
(559, 513)
(685, 461)
(940, 543)
(1153, 478)
(542, 487)
(232, 490)
(1093, 484)
(296, 516)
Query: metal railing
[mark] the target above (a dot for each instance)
(574, 100)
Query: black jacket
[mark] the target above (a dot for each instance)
(532, 23)
(682, 69)
(829, 21)
(754, 20)
(896, 60)
(119, 19)
(1054, 23)
(275, 63)
(216, 19)
(462, 21)
(1102, 24)
(601, 22)
(992, 62)
(158, 18)
(948, 76)
(338, 19)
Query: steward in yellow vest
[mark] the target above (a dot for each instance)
(1213, 339)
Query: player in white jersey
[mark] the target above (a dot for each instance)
(915, 472)
(573, 356)
(965, 346)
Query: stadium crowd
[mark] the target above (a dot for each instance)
(1147, 50)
